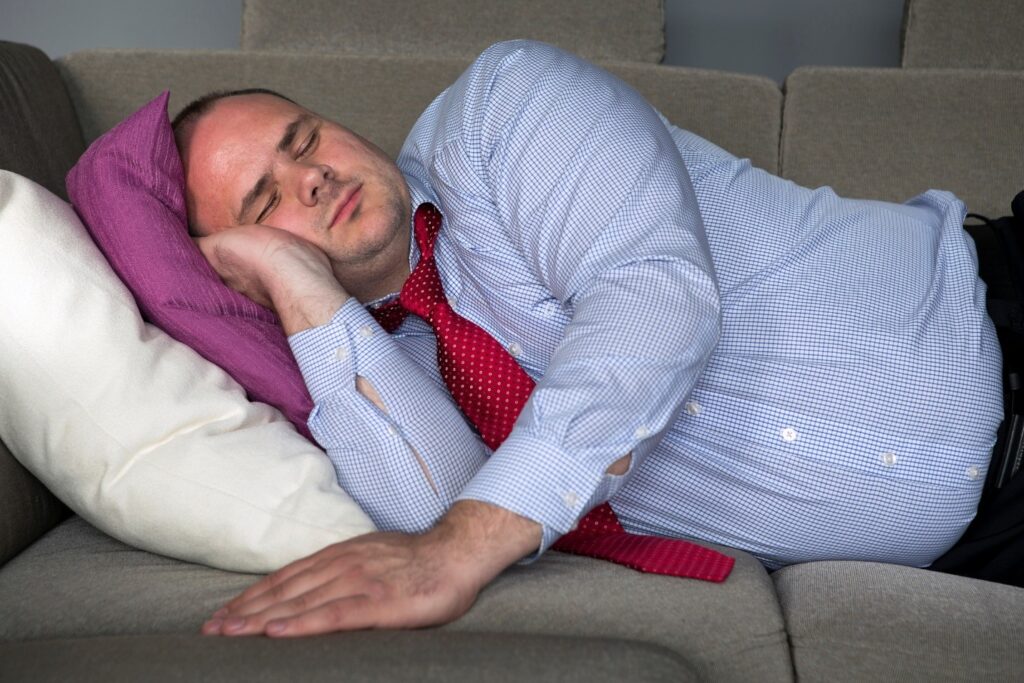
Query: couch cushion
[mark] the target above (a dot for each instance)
(596, 29)
(77, 582)
(39, 136)
(862, 621)
(27, 508)
(739, 113)
(891, 134)
(426, 655)
(963, 34)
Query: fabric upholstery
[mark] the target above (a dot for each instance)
(630, 30)
(860, 621)
(739, 113)
(133, 429)
(129, 190)
(413, 656)
(39, 135)
(891, 133)
(78, 582)
(27, 508)
(985, 34)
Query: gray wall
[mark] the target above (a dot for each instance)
(768, 37)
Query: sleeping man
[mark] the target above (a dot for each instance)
(717, 353)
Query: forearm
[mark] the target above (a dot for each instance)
(490, 538)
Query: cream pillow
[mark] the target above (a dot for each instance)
(133, 430)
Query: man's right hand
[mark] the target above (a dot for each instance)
(278, 270)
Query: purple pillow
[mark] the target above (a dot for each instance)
(129, 190)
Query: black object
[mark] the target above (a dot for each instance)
(1000, 246)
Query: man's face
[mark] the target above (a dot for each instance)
(261, 159)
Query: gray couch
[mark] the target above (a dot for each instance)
(79, 605)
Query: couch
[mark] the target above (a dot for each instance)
(77, 604)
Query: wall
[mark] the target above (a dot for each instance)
(768, 37)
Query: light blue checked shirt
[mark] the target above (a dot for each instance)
(797, 375)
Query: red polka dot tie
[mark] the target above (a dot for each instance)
(491, 389)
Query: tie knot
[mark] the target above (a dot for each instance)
(426, 225)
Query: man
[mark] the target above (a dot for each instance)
(810, 378)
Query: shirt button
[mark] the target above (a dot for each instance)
(365, 331)
(889, 458)
(693, 408)
(392, 431)
(515, 349)
(642, 432)
(788, 434)
(341, 353)
(973, 472)
(570, 498)
(452, 301)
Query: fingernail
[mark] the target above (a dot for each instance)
(276, 627)
(234, 624)
(212, 627)
(221, 613)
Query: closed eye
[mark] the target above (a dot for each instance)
(310, 143)
(268, 208)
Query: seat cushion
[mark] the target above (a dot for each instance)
(887, 622)
(438, 28)
(77, 582)
(426, 655)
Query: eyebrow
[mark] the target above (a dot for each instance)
(283, 145)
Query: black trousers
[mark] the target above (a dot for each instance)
(992, 548)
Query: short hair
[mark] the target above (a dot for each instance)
(194, 110)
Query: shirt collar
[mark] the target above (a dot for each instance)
(418, 194)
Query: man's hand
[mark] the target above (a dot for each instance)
(278, 270)
(384, 580)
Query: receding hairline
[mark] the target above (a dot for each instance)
(186, 119)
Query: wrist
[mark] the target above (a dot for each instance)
(305, 293)
(486, 537)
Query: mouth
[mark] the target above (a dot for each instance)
(347, 204)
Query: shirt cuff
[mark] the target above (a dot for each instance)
(541, 482)
(350, 343)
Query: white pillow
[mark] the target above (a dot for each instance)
(133, 430)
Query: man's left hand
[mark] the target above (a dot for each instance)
(382, 580)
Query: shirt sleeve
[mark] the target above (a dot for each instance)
(383, 459)
(597, 201)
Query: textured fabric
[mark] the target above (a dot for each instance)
(27, 509)
(825, 420)
(132, 429)
(39, 134)
(891, 133)
(738, 112)
(77, 583)
(129, 189)
(597, 29)
(875, 622)
(491, 389)
(393, 656)
(987, 34)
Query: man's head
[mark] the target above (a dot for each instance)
(254, 156)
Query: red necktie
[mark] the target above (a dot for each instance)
(491, 389)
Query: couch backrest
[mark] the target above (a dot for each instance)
(963, 34)
(39, 139)
(39, 136)
(739, 113)
(630, 30)
(892, 133)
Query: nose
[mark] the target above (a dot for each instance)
(313, 181)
